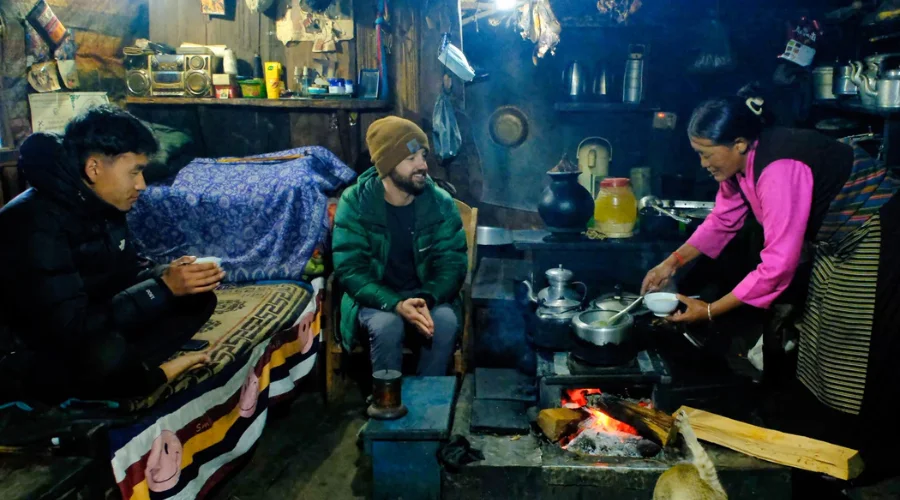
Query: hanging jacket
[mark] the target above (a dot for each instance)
(362, 241)
(69, 270)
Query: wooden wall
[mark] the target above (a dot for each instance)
(415, 80)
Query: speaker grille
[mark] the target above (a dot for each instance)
(197, 83)
(197, 62)
(137, 82)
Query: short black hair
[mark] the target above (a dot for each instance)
(107, 130)
(725, 120)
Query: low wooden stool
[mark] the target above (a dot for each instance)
(404, 451)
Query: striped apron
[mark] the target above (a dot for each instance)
(836, 324)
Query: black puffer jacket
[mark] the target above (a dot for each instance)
(68, 269)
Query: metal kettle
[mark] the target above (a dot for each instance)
(575, 81)
(560, 297)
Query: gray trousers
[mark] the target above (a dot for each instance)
(387, 331)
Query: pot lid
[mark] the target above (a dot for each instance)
(615, 182)
(560, 305)
(558, 274)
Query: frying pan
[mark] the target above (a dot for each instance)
(508, 126)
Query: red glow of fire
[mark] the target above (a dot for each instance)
(577, 398)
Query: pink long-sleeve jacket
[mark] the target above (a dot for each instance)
(781, 202)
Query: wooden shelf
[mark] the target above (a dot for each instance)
(857, 107)
(311, 104)
(604, 107)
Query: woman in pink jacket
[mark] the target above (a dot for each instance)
(815, 197)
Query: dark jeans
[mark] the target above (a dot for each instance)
(118, 365)
(387, 331)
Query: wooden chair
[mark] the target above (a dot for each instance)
(334, 353)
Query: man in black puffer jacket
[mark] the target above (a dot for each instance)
(86, 316)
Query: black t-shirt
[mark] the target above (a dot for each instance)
(400, 273)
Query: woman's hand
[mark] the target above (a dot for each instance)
(697, 310)
(659, 276)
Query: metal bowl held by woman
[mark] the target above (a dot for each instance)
(600, 343)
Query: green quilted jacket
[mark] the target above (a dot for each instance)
(360, 250)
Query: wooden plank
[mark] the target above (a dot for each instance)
(239, 29)
(163, 25)
(298, 104)
(404, 59)
(779, 447)
(191, 23)
(316, 129)
(365, 39)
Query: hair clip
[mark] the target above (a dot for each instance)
(755, 104)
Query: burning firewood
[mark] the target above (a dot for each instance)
(557, 422)
(653, 424)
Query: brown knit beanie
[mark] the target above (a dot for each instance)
(391, 140)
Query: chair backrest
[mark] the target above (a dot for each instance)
(470, 223)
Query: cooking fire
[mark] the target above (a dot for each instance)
(599, 434)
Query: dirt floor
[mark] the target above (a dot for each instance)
(308, 451)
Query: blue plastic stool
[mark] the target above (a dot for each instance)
(404, 451)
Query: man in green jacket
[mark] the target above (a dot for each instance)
(400, 253)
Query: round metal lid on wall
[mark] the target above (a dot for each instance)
(508, 126)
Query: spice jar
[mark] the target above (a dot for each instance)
(615, 210)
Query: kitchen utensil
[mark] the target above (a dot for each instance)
(594, 326)
(690, 338)
(598, 343)
(657, 225)
(631, 306)
(633, 81)
(594, 155)
(387, 402)
(889, 90)
(575, 81)
(616, 301)
(557, 305)
(865, 75)
(697, 213)
(493, 236)
(600, 88)
(823, 83)
(842, 81)
(508, 126)
(565, 206)
(559, 293)
(661, 304)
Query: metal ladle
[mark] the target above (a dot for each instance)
(654, 203)
(623, 311)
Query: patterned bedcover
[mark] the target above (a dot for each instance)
(187, 442)
(263, 217)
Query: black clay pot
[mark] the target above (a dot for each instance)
(566, 206)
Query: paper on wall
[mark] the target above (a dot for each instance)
(51, 112)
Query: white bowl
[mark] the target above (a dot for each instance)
(206, 260)
(661, 304)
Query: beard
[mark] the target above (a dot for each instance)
(407, 184)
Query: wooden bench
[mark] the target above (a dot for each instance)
(334, 353)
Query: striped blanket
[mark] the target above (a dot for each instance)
(186, 443)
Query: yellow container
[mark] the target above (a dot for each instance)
(615, 210)
(274, 85)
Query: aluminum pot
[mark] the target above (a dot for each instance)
(603, 345)
(823, 80)
(493, 236)
(585, 325)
